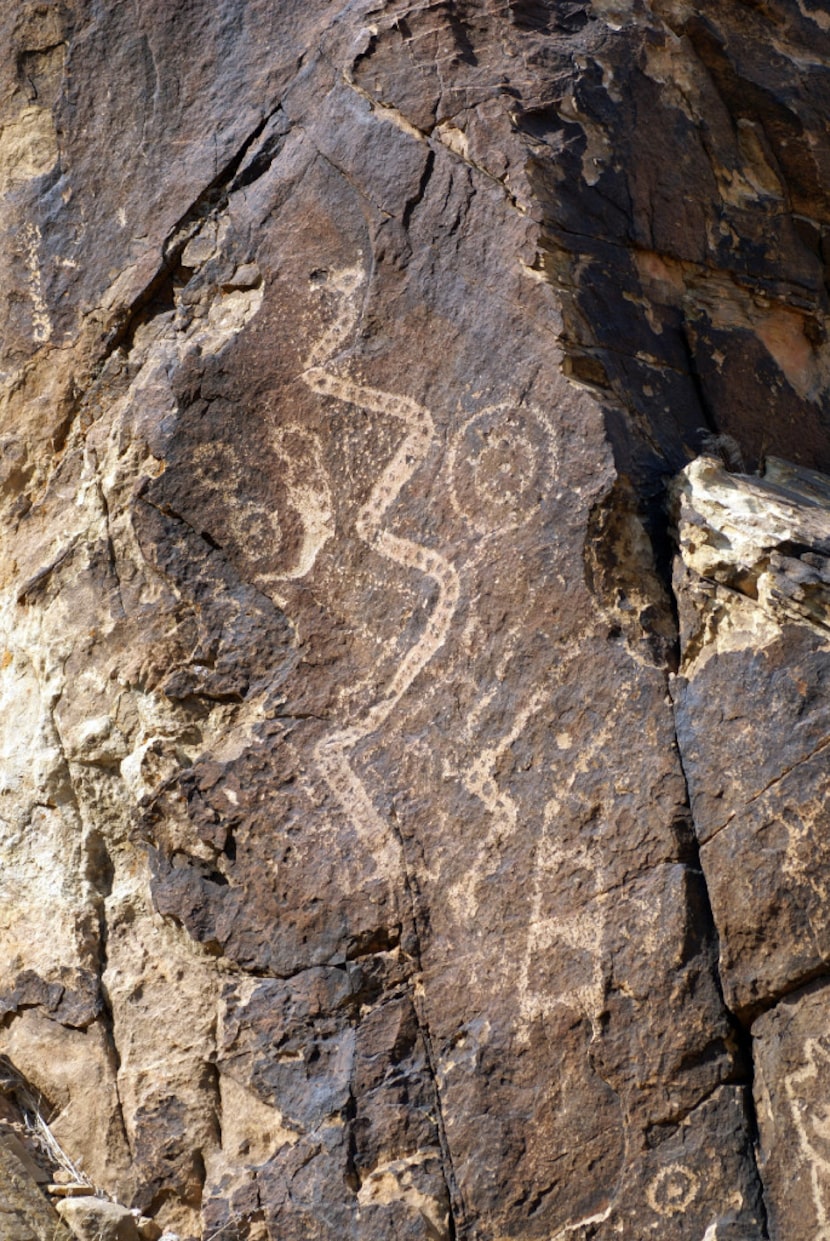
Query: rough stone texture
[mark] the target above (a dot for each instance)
(95, 1219)
(792, 1093)
(25, 1214)
(686, 216)
(752, 715)
(755, 617)
(351, 887)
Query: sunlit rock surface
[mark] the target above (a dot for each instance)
(371, 866)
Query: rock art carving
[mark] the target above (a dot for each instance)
(306, 489)
(495, 464)
(247, 520)
(308, 492)
(807, 1092)
(502, 808)
(499, 463)
(332, 752)
(582, 930)
(41, 323)
(658, 175)
(672, 1190)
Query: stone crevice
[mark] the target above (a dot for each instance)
(210, 202)
(741, 1032)
(112, 554)
(108, 1024)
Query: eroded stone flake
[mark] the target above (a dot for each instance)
(766, 536)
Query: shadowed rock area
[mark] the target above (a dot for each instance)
(414, 610)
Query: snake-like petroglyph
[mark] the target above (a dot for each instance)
(807, 1092)
(325, 376)
(504, 813)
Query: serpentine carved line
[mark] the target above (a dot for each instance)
(333, 751)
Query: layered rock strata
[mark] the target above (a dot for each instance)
(361, 876)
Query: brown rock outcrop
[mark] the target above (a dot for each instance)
(352, 883)
(753, 730)
(25, 1214)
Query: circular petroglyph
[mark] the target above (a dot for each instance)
(498, 465)
(279, 515)
(672, 1190)
(241, 521)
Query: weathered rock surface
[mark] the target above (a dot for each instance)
(755, 613)
(25, 1214)
(96, 1219)
(351, 883)
(792, 1092)
(752, 711)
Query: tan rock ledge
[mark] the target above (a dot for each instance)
(766, 536)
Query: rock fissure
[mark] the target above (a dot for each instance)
(750, 579)
(210, 202)
(740, 1032)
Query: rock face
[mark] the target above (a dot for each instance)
(25, 1214)
(367, 871)
(752, 713)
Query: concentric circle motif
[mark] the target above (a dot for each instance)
(499, 463)
(672, 1190)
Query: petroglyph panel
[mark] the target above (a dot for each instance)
(792, 1092)
(389, 898)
